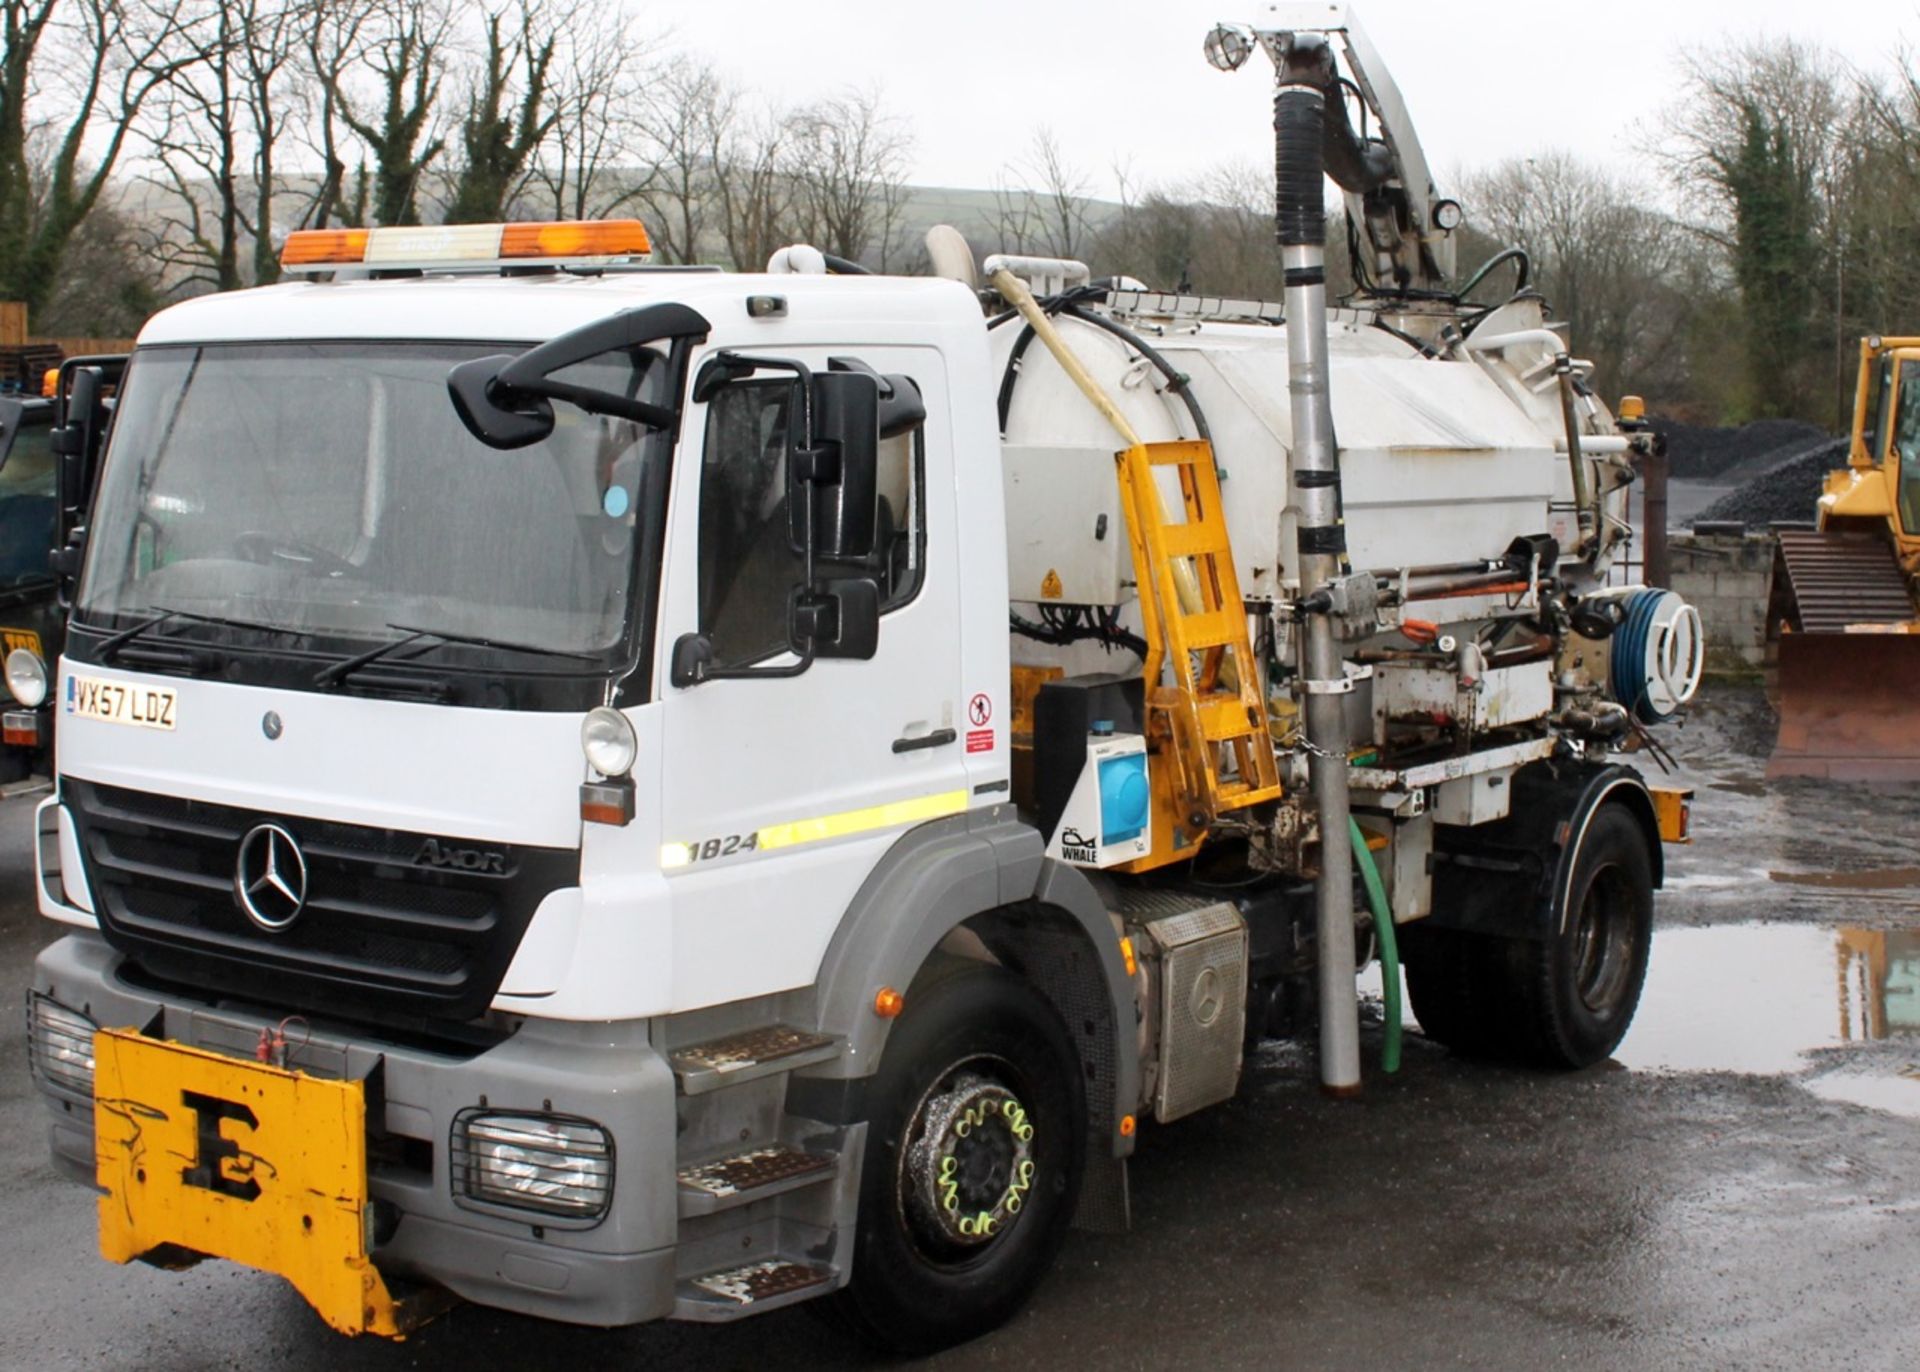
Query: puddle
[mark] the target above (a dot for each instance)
(1760, 998)
(1735, 998)
(1897, 1093)
(1874, 879)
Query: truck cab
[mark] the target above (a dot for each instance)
(372, 752)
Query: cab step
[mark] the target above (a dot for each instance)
(708, 1066)
(736, 1292)
(754, 1174)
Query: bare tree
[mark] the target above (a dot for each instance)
(401, 47)
(1042, 202)
(108, 62)
(1613, 267)
(216, 131)
(752, 190)
(847, 158)
(687, 103)
(590, 164)
(508, 113)
(333, 45)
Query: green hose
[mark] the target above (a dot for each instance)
(1389, 946)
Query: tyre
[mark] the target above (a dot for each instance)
(975, 1144)
(1582, 983)
(1451, 987)
(1564, 1000)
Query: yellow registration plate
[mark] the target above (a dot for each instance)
(14, 639)
(239, 1160)
(144, 707)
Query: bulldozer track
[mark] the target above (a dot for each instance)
(1840, 578)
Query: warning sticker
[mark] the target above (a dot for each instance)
(979, 740)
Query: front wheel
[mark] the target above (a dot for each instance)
(972, 1169)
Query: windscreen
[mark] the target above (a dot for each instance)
(330, 489)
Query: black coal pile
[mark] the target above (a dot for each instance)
(1700, 452)
(1784, 491)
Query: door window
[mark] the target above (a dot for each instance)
(1906, 443)
(748, 559)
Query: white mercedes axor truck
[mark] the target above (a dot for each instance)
(623, 793)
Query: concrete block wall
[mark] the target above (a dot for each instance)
(1727, 578)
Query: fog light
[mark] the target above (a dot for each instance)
(60, 1045)
(26, 677)
(552, 1164)
(606, 737)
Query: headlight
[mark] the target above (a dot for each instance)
(60, 1045)
(605, 737)
(27, 677)
(549, 1163)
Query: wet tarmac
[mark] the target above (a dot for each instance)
(1739, 1187)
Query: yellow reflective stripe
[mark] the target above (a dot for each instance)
(860, 821)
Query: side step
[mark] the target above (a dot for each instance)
(708, 1066)
(736, 1292)
(709, 1187)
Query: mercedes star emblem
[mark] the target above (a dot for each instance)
(270, 878)
(270, 725)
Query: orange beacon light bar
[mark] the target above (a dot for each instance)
(466, 245)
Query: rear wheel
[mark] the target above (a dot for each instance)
(1562, 1000)
(972, 1168)
(1582, 983)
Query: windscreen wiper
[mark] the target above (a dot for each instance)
(348, 665)
(115, 641)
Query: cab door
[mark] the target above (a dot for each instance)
(779, 793)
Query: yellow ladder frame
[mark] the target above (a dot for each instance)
(1213, 704)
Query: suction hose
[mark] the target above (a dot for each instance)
(1306, 75)
(1388, 944)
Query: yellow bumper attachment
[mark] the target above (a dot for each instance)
(207, 1156)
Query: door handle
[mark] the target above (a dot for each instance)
(937, 739)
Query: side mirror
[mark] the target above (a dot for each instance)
(838, 619)
(505, 401)
(837, 476)
(76, 443)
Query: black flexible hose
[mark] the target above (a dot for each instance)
(841, 266)
(1060, 637)
(1426, 349)
(1177, 381)
(1518, 255)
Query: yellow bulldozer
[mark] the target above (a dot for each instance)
(1843, 616)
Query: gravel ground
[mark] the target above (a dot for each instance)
(1739, 1187)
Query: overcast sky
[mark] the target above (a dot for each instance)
(1123, 80)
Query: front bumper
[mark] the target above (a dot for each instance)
(618, 1271)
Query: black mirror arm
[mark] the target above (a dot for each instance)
(693, 657)
(530, 374)
(593, 402)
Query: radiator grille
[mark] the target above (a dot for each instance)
(377, 930)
